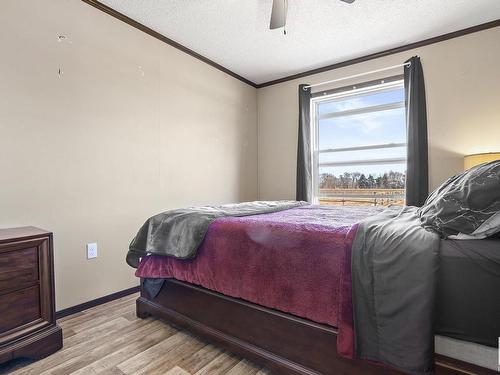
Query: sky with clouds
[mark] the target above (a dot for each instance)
(362, 130)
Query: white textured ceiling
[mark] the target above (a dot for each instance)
(236, 35)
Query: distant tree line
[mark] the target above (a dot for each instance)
(356, 180)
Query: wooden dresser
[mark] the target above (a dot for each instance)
(27, 311)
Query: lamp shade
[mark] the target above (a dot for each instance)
(476, 159)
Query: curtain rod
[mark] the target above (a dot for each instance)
(357, 75)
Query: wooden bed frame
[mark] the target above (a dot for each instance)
(283, 343)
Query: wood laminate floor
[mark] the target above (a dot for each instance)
(110, 339)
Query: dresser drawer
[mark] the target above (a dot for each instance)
(19, 308)
(27, 315)
(18, 268)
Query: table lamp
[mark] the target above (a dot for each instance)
(476, 159)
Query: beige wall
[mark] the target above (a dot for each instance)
(463, 101)
(131, 128)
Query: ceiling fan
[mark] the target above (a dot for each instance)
(278, 13)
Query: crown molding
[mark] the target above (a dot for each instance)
(426, 42)
(104, 8)
(455, 34)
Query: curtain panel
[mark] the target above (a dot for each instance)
(417, 173)
(304, 162)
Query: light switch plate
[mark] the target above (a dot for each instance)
(92, 250)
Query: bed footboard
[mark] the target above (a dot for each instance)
(281, 342)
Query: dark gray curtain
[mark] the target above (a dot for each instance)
(417, 175)
(304, 162)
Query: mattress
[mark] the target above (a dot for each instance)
(292, 260)
(468, 296)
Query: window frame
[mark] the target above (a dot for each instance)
(375, 86)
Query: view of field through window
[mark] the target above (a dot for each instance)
(361, 147)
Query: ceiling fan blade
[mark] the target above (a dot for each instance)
(348, 1)
(278, 14)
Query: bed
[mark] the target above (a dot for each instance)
(251, 289)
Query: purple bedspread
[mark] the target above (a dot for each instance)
(297, 261)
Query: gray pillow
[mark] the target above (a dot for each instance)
(466, 206)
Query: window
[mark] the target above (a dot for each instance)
(360, 145)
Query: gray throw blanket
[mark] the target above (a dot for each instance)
(394, 276)
(179, 233)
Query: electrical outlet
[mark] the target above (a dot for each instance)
(92, 250)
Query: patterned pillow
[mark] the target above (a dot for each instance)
(466, 206)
